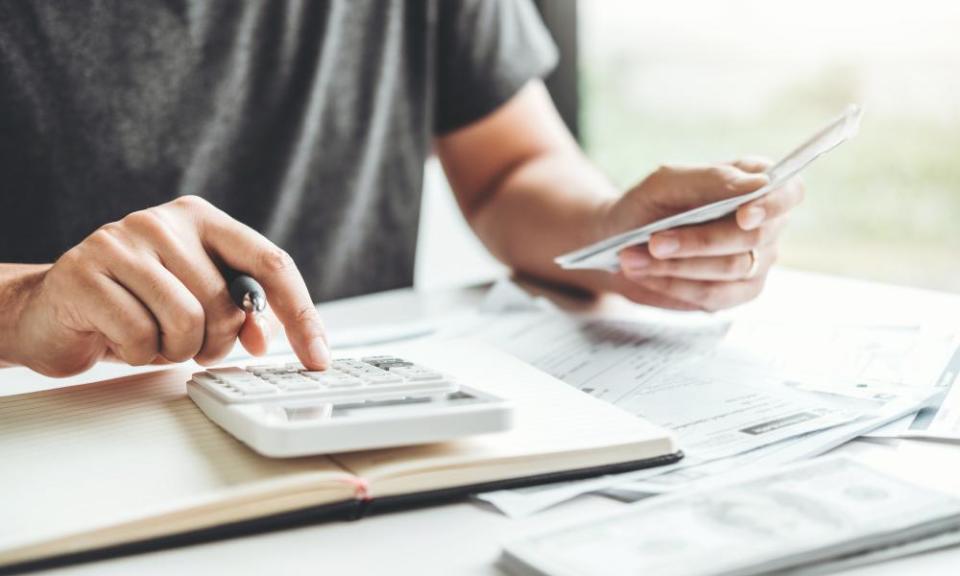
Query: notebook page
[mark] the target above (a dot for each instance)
(89, 457)
(556, 428)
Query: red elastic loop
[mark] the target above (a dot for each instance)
(361, 488)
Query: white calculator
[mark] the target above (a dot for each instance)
(284, 410)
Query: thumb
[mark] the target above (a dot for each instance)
(687, 187)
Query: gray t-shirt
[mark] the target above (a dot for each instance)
(308, 120)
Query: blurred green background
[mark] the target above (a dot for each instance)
(695, 81)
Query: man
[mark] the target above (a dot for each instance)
(147, 145)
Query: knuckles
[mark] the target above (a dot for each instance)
(723, 173)
(661, 176)
(189, 319)
(114, 238)
(276, 260)
(148, 223)
(191, 203)
(104, 240)
(664, 170)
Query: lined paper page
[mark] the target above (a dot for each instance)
(93, 456)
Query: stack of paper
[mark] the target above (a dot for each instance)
(756, 394)
(826, 514)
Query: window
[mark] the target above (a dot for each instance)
(701, 81)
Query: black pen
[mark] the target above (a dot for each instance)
(246, 292)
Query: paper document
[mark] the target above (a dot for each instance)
(788, 451)
(668, 375)
(633, 486)
(870, 361)
(863, 361)
(819, 511)
(942, 420)
(709, 382)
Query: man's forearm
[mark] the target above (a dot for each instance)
(15, 282)
(548, 205)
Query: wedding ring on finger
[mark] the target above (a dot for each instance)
(754, 264)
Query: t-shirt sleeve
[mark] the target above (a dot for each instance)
(486, 51)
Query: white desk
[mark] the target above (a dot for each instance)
(465, 538)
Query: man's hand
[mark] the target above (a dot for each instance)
(147, 289)
(707, 266)
(530, 194)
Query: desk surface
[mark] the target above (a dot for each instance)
(465, 538)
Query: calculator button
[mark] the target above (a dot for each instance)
(386, 378)
(302, 384)
(220, 373)
(342, 383)
(371, 377)
(416, 373)
(209, 380)
(254, 389)
(249, 379)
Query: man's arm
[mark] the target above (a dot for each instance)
(16, 283)
(520, 178)
(530, 194)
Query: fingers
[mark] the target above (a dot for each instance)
(698, 289)
(204, 328)
(699, 283)
(122, 319)
(245, 250)
(222, 318)
(771, 206)
(148, 289)
(642, 295)
(711, 265)
(638, 264)
(704, 294)
(178, 314)
(775, 204)
(717, 238)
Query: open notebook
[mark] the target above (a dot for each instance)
(131, 464)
